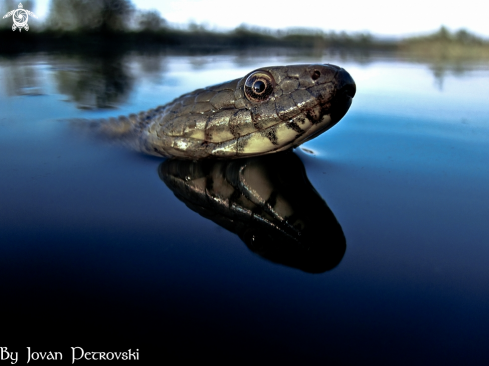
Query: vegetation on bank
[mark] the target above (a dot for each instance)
(83, 26)
(445, 45)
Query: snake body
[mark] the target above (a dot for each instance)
(270, 109)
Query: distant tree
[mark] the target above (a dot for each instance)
(116, 14)
(150, 20)
(465, 37)
(96, 82)
(90, 15)
(443, 33)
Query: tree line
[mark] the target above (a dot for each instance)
(94, 16)
(117, 25)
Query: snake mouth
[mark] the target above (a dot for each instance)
(346, 84)
(346, 90)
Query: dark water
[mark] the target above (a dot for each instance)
(96, 249)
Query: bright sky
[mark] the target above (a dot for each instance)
(379, 17)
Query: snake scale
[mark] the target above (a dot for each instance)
(270, 109)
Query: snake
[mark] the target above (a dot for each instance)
(270, 109)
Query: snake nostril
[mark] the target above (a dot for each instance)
(315, 75)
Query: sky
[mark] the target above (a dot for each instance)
(379, 17)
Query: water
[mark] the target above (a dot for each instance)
(96, 249)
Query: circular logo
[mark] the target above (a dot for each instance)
(20, 18)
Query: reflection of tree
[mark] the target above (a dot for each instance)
(198, 63)
(439, 73)
(21, 79)
(268, 202)
(248, 57)
(442, 69)
(446, 52)
(101, 82)
(152, 67)
(86, 15)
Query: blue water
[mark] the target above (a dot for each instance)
(95, 248)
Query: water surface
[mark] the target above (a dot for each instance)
(96, 248)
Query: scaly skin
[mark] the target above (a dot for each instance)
(221, 121)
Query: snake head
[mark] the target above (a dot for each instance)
(291, 104)
(270, 109)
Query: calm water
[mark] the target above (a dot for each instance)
(96, 249)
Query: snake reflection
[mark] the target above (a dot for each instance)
(268, 202)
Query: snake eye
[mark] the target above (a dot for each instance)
(259, 86)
